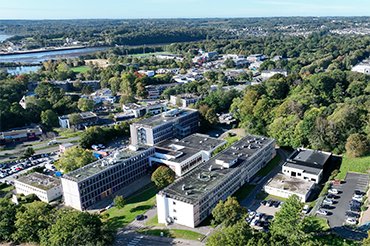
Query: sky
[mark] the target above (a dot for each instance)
(138, 9)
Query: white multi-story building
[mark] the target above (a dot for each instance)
(185, 99)
(266, 74)
(185, 154)
(43, 186)
(189, 200)
(139, 110)
(255, 58)
(177, 123)
(87, 119)
(102, 95)
(92, 183)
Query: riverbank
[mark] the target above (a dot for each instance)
(48, 49)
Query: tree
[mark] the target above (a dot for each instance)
(8, 211)
(289, 221)
(163, 176)
(77, 84)
(87, 90)
(356, 145)
(85, 104)
(75, 158)
(49, 118)
(228, 212)
(178, 101)
(127, 98)
(33, 218)
(29, 152)
(71, 227)
(119, 202)
(75, 119)
(236, 235)
(92, 135)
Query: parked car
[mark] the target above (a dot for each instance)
(270, 202)
(263, 202)
(264, 217)
(323, 212)
(281, 204)
(325, 206)
(357, 198)
(270, 217)
(354, 208)
(252, 214)
(351, 221)
(328, 201)
(258, 215)
(330, 196)
(333, 191)
(259, 223)
(355, 203)
(358, 193)
(139, 217)
(337, 181)
(266, 225)
(351, 214)
(276, 204)
(305, 209)
(254, 221)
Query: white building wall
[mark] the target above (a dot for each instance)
(43, 195)
(286, 193)
(71, 194)
(303, 175)
(179, 212)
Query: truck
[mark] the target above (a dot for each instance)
(50, 167)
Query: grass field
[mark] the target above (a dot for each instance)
(134, 206)
(80, 69)
(359, 165)
(270, 166)
(154, 222)
(68, 133)
(175, 233)
(4, 188)
(243, 192)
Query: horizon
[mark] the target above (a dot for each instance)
(189, 9)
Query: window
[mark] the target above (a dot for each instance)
(299, 174)
(174, 210)
(174, 203)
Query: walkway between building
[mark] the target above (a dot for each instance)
(125, 191)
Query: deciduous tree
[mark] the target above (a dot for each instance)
(163, 176)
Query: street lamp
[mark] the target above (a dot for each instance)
(344, 242)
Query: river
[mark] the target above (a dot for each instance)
(21, 69)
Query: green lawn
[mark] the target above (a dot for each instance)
(80, 69)
(135, 206)
(4, 188)
(359, 165)
(148, 54)
(174, 233)
(243, 192)
(270, 166)
(232, 139)
(154, 222)
(68, 133)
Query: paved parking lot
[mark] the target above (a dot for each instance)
(336, 218)
(264, 210)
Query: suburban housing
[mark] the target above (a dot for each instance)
(188, 201)
(185, 99)
(87, 119)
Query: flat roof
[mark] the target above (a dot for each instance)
(203, 179)
(162, 119)
(20, 130)
(295, 185)
(310, 156)
(103, 164)
(39, 180)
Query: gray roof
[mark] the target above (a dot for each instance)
(198, 187)
(39, 180)
(311, 156)
(103, 164)
(161, 119)
(298, 186)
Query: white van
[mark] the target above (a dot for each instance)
(305, 209)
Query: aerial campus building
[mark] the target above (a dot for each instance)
(185, 154)
(177, 123)
(188, 201)
(91, 183)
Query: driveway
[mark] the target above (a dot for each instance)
(353, 181)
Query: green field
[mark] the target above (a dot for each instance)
(243, 192)
(4, 188)
(134, 206)
(80, 69)
(154, 222)
(359, 165)
(270, 166)
(175, 233)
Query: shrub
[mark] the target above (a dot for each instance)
(31, 197)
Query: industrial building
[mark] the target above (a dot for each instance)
(92, 183)
(177, 123)
(185, 154)
(20, 134)
(43, 186)
(190, 200)
(362, 67)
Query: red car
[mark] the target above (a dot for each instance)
(337, 181)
